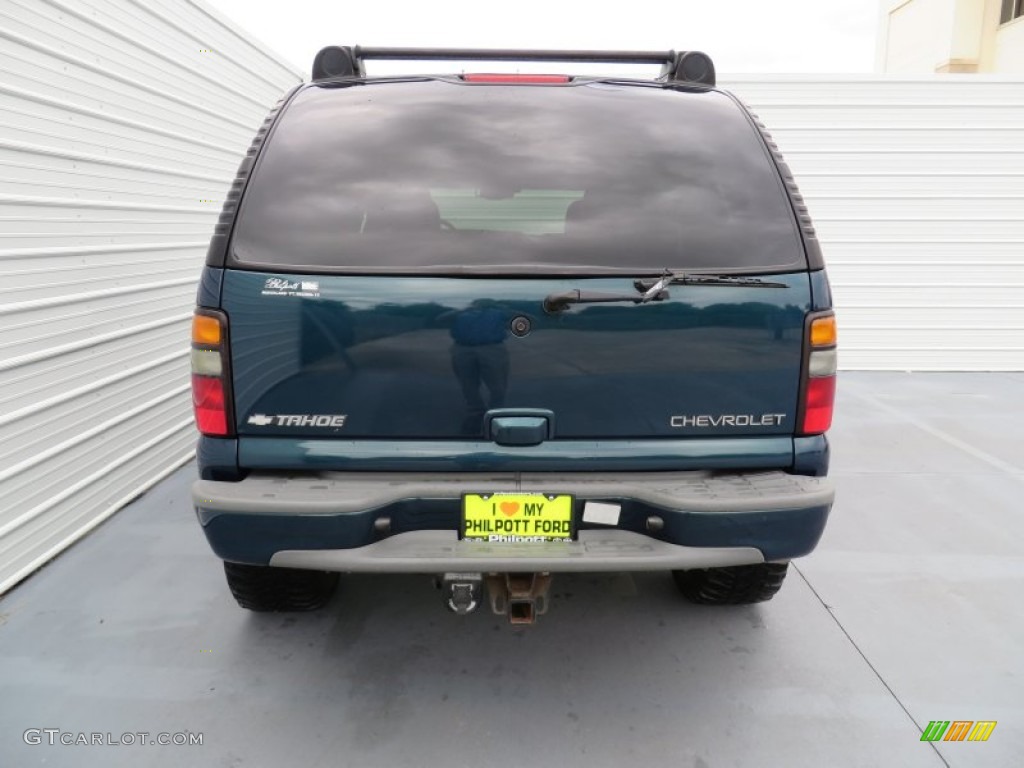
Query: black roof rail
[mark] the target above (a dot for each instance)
(345, 61)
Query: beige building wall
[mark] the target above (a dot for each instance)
(948, 36)
(1008, 55)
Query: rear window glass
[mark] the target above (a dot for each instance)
(434, 175)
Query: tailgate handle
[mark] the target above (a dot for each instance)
(507, 426)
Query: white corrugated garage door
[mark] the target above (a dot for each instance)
(121, 125)
(917, 191)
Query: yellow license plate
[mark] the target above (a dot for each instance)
(515, 518)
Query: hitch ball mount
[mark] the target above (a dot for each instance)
(520, 596)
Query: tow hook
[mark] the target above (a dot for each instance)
(521, 596)
(462, 592)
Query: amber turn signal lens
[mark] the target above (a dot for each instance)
(205, 330)
(823, 331)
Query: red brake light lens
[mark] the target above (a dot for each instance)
(511, 78)
(818, 405)
(208, 399)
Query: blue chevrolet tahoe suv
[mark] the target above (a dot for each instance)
(492, 328)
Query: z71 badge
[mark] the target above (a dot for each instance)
(334, 420)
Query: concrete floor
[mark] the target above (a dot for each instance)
(909, 611)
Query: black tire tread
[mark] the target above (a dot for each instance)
(263, 589)
(734, 585)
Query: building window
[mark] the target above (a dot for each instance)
(1012, 9)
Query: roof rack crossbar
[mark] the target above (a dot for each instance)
(513, 54)
(683, 66)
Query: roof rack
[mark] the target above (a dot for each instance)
(681, 67)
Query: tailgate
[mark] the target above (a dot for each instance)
(387, 357)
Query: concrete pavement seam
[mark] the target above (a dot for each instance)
(945, 437)
(868, 662)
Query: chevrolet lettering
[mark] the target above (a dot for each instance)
(729, 420)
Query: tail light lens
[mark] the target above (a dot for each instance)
(210, 381)
(210, 407)
(818, 390)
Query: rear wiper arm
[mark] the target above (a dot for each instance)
(655, 288)
(650, 290)
(558, 302)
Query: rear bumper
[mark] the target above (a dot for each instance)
(437, 551)
(327, 521)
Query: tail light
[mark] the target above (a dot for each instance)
(210, 381)
(818, 389)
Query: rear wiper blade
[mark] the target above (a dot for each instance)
(654, 288)
(651, 290)
(558, 302)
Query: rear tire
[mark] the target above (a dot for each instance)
(735, 585)
(263, 589)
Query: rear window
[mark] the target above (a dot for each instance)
(433, 176)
